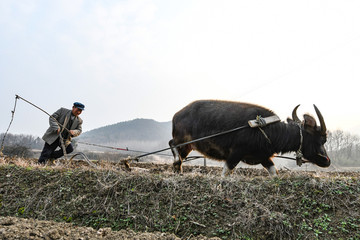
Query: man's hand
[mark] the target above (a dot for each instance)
(72, 132)
(58, 131)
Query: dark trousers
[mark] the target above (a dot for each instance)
(49, 151)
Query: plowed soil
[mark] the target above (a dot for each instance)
(20, 228)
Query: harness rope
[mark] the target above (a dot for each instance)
(7, 130)
(120, 149)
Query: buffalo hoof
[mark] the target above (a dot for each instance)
(177, 167)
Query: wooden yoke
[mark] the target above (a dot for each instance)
(262, 122)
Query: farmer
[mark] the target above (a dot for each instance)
(60, 136)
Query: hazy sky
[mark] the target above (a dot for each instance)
(149, 58)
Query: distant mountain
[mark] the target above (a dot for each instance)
(137, 134)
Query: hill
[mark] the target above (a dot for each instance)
(138, 134)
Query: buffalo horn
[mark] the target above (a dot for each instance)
(321, 119)
(294, 115)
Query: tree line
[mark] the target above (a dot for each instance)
(343, 148)
(20, 145)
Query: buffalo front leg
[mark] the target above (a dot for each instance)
(226, 170)
(230, 164)
(177, 164)
(270, 167)
(179, 153)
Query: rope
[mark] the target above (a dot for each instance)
(264, 133)
(85, 157)
(120, 149)
(17, 96)
(12, 118)
(261, 121)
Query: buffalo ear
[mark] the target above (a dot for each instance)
(289, 120)
(309, 123)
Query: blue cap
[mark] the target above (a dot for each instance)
(79, 105)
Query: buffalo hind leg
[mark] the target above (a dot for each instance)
(270, 167)
(179, 154)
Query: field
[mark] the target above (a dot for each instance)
(71, 200)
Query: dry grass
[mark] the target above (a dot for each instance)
(247, 205)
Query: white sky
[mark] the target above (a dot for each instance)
(149, 58)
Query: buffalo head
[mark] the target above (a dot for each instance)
(314, 138)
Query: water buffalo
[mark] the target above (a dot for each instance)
(249, 145)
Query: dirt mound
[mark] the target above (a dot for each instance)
(152, 199)
(20, 228)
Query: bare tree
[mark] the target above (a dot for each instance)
(343, 148)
